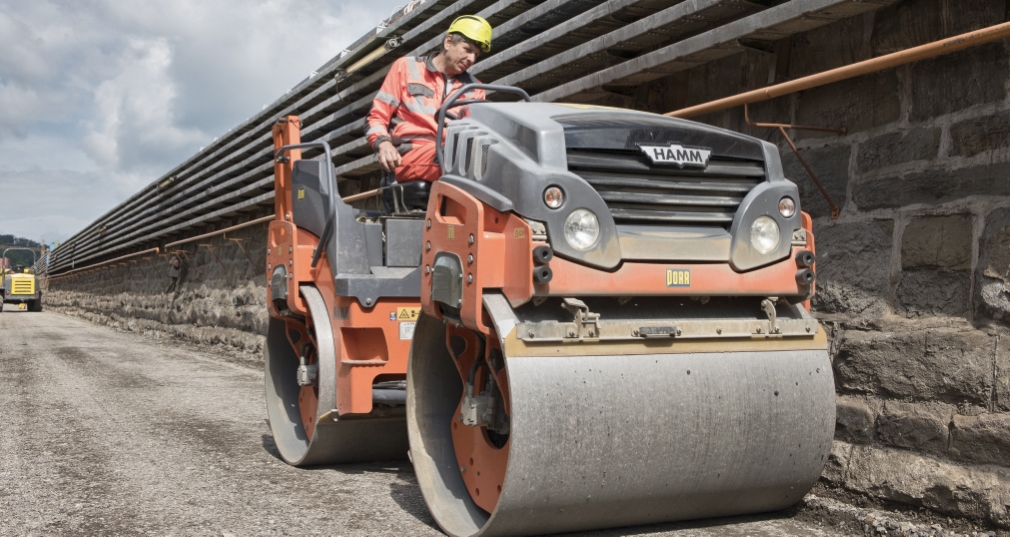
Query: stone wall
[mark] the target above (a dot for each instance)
(913, 275)
(218, 295)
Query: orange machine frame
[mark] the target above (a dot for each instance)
(366, 339)
(463, 225)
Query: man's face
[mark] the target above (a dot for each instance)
(459, 57)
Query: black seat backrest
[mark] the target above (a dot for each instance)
(309, 196)
(413, 195)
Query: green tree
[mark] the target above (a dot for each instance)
(19, 257)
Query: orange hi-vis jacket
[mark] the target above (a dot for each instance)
(404, 112)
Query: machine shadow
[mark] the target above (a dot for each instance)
(687, 525)
(405, 493)
(267, 440)
(408, 496)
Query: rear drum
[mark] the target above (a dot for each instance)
(304, 423)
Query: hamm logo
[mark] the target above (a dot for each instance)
(677, 154)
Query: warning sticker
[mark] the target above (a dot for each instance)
(408, 314)
(407, 330)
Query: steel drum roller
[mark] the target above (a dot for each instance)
(615, 440)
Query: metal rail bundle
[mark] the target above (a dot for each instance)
(574, 50)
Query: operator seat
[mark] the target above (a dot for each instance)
(415, 193)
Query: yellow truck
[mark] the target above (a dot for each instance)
(20, 286)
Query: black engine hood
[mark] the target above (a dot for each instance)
(623, 131)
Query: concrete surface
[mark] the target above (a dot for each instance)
(107, 432)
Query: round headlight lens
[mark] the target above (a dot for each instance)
(582, 229)
(764, 234)
(554, 197)
(787, 207)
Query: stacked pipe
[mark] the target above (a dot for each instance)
(577, 50)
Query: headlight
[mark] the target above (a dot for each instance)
(582, 229)
(764, 234)
(787, 207)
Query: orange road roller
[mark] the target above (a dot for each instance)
(596, 317)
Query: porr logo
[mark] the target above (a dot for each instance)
(678, 277)
(696, 157)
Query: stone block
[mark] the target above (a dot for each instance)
(854, 420)
(857, 104)
(836, 469)
(916, 22)
(831, 166)
(962, 16)
(992, 276)
(937, 242)
(933, 292)
(898, 147)
(831, 46)
(853, 267)
(912, 426)
(1001, 374)
(980, 135)
(958, 80)
(898, 475)
(906, 24)
(932, 186)
(983, 439)
(950, 362)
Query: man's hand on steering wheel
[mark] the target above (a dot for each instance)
(389, 157)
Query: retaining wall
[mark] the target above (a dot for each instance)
(217, 295)
(912, 277)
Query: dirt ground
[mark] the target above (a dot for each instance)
(113, 433)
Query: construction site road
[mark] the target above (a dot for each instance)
(114, 433)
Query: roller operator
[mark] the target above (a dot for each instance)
(402, 125)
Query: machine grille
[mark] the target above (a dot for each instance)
(638, 192)
(22, 287)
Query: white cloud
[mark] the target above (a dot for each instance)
(136, 122)
(50, 202)
(114, 93)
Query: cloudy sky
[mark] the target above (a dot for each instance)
(100, 97)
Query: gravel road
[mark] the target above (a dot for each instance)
(114, 433)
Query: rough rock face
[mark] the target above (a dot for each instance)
(216, 296)
(981, 493)
(853, 265)
(904, 360)
(992, 274)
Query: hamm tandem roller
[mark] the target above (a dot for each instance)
(599, 317)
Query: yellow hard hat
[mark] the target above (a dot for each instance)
(473, 28)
